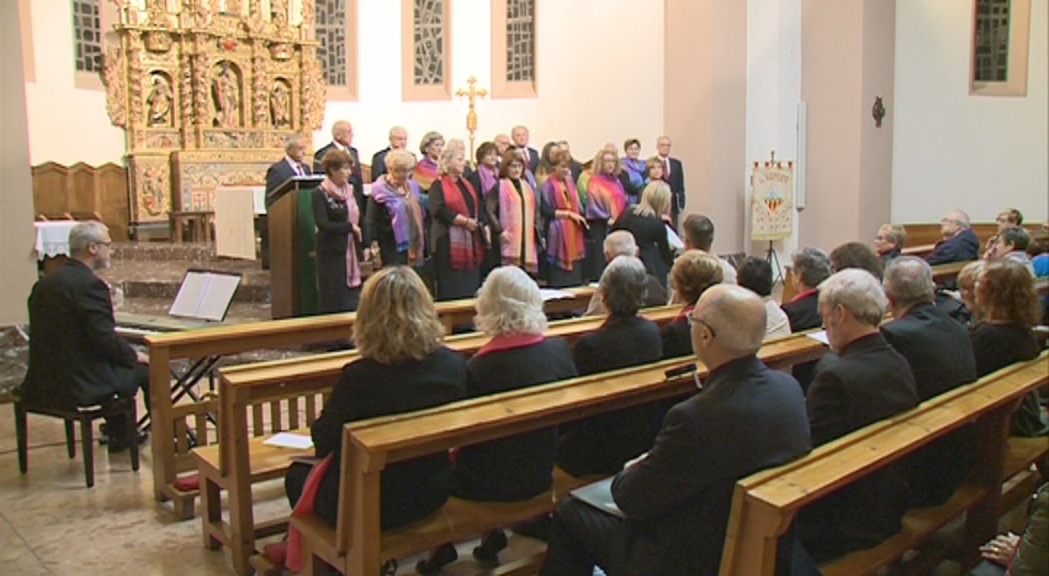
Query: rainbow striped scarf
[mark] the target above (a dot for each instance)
(565, 244)
(517, 219)
(605, 197)
(425, 173)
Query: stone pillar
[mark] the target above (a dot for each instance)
(17, 260)
(848, 52)
(705, 109)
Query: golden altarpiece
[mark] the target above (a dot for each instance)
(206, 92)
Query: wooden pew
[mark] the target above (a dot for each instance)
(280, 389)
(358, 547)
(943, 273)
(923, 236)
(765, 503)
(173, 424)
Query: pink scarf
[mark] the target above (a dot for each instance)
(517, 219)
(345, 194)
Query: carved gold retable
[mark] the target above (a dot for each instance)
(207, 91)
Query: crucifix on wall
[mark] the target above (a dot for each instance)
(471, 92)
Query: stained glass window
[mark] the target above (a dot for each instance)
(331, 34)
(991, 41)
(87, 35)
(429, 42)
(520, 40)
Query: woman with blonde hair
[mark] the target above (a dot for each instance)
(563, 209)
(694, 272)
(395, 215)
(605, 201)
(458, 230)
(402, 367)
(647, 222)
(510, 312)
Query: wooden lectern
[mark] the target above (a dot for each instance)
(292, 247)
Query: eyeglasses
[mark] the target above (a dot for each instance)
(693, 320)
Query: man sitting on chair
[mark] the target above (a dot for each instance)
(76, 357)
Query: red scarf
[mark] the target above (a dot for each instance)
(465, 246)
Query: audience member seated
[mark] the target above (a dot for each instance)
(601, 444)
(1008, 309)
(698, 234)
(647, 221)
(1038, 252)
(403, 367)
(811, 267)
(863, 381)
(76, 357)
(938, 351)
(510, 311)
(1026, 555)
(856, 255)
(1006, 219)
(961, 305)
(621, 243)
(755, 274)
(889, 241)
(959, 243)
(1012, 243)
(693, 273)
(676, 498)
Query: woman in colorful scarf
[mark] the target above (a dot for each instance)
(513, 212)
(485, 180)
(338, 236)
(633, 174)
(426, 170)
(546, 165)
(648, 222)
(565, 241)
(605, 201)
(394, 219)
(458, 230)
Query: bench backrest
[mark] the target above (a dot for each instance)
(369, 446)
(765, 503)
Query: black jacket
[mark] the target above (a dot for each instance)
(379, 163)
(356, 177)
(411, 489)
(868, 381)
(601, 444)
(677, 500)
(518, 467)
(76, 357)
(650, 234)
(962, 246)
(333, 228)
(937, 349)
(278, 173)
(804, 314)
(676, 180)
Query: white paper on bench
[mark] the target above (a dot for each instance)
(551, 294)
(289, 440)
(820, 336)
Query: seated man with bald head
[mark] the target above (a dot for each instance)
(676, 498)
(863, 381)
(959, 241)
(622, 243)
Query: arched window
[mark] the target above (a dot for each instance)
(426, 49)
(513, 49)
(336, 31)
(999, 47)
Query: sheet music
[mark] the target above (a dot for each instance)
(205, 295)
(551, 294)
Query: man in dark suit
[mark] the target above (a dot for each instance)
(675, 176)
(398, 141)
(940, 355)
(292, 164)
(342, 139)
(520, 137)
(865, 381)
(676, 499)
(76, 357)
(959, 242)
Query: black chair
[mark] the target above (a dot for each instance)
(86, 416)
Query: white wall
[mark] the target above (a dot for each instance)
(597, 83)
(951, 149)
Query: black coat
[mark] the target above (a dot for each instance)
(76, 357)
(650, 234)
(278, 173)
(411, 489)
(601, 444)
(677, 339)
(677, 500)
(518, 467)
(379, 163)
(868, 381)
(804, 315)
(937, 349)
(962, 246)
(676, 180)
(356, 177)
(996, 346)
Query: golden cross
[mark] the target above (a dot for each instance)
(471, 93)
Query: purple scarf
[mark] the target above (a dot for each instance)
(406, 216)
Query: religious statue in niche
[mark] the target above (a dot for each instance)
(280, 105)
(159, 101)
(225, 91)
(153, 188)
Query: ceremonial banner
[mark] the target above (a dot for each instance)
(772, 200)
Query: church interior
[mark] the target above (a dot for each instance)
(162, 119)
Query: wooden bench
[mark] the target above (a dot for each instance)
(922, 237)
(765, 503)
(282, 389)
(357, 546)
(172, 424)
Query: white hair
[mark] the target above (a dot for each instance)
(85, 233)
(858, 291)
(620, 243)
(908, 281)
(292, 141)
(510, 303)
